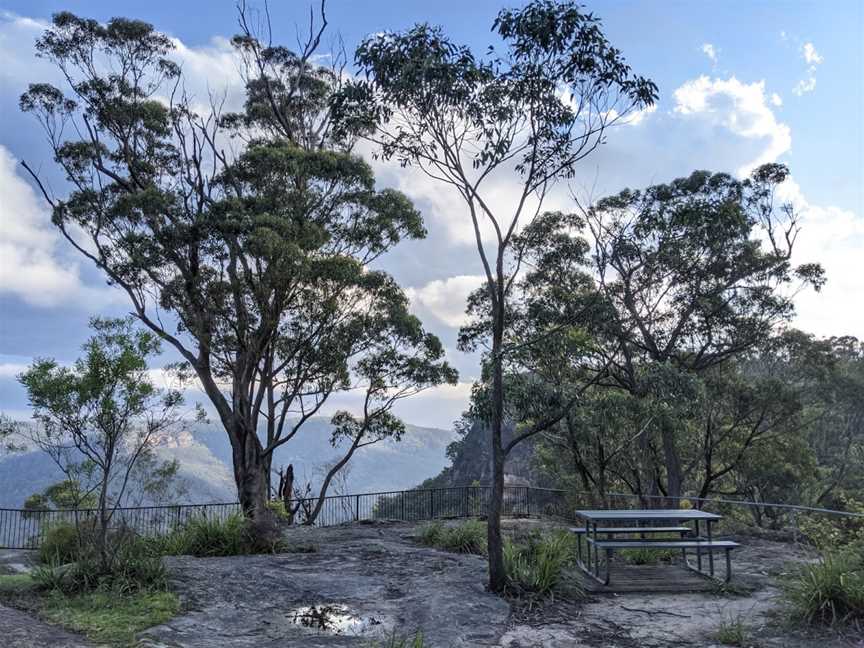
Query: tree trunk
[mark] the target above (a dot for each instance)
(674, 476)
(249, 474)
(497, 571)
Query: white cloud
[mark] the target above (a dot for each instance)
(709, 51)
(813, 59)
(446, 298)
(811, 56)
(30, 266)
(11, 369)
(741, 109)
(833, 237)
(776, 99)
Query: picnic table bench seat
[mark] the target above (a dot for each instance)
(699, 544)
(632, 529)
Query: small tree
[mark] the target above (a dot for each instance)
(533, 112)
(97, 419)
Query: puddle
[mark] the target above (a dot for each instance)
(336, 620)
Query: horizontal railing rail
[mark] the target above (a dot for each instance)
(26, 529)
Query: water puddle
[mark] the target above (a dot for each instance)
(333, 619)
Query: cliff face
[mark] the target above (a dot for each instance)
(471, 461)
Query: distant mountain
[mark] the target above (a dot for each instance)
(472, 461)
(204, 455)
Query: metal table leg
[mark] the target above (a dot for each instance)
(710, 552)
(698, 549)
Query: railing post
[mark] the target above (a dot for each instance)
(431, 504)
(402, 517)
(357, 509)
(527, 502)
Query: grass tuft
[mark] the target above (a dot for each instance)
(536, 565)
(733, 632)
(396, 640)
(468, 537)
(828, 592)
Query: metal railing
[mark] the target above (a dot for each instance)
(25, 529)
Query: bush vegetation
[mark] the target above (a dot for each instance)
(231, 536)
(830, 591)
(733, 632)
(467, 537)
(536, 564)
(60, 544)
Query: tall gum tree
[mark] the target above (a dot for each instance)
(243, 240)
(531, 111)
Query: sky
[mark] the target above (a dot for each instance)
(741, 83)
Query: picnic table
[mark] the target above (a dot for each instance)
(654, 528)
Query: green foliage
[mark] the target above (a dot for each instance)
(35, 504)
(536, 563)
(278, 509)
(61, 544)
(16, 583)
(70, 494)
(830, 591)
(262, 259)
(396, 640)
(105, 616)
(134, 567)
(733, 632)
(647, 555)
(466, 537)
(231, 536)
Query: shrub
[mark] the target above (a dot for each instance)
(430, 534)
(134, 567)
(830, 591)
(60, 544)
(468, 537)
(231, 536)
(536, 564)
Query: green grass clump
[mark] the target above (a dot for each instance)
(733, 632)
(60, 544)
(830, 591)
(647, 555)
(231, 536)
(468, 537)
(134, 567)
(537, 564)
(398, 641)
(103, 616)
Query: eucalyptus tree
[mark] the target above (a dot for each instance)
(530, 112)
(243, 240)
(695, 273)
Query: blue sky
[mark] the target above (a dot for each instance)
(740, 83)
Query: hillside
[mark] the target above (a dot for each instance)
(471, 461)
(205, 463)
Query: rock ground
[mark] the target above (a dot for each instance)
(384, 583)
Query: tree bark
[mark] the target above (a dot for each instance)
(497, 571)
(249, 475)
